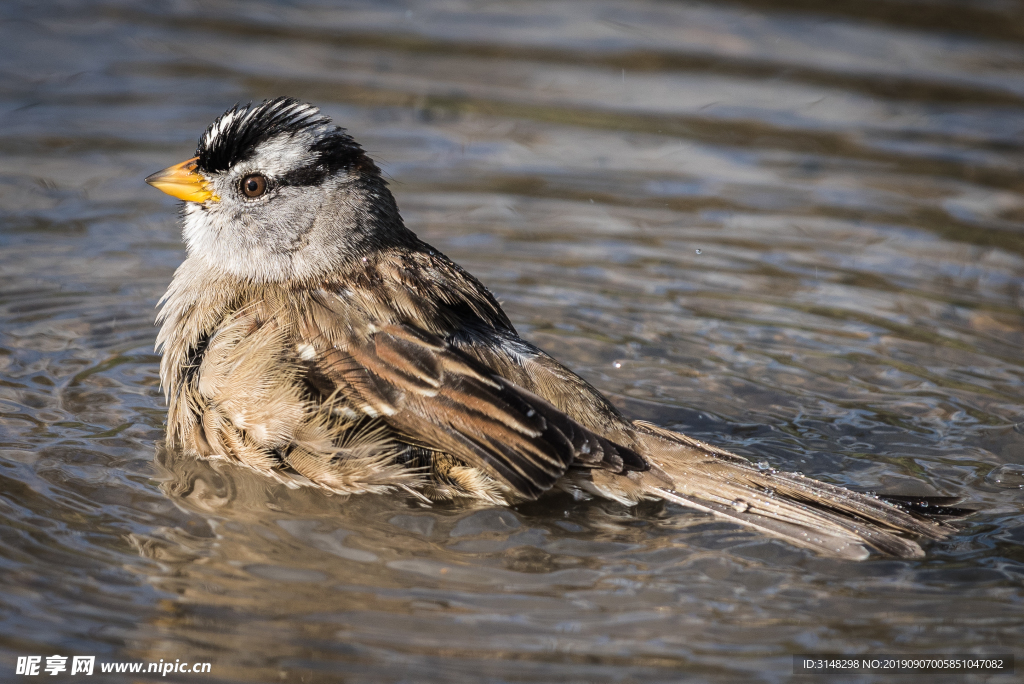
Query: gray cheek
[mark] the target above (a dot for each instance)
(250, 220)
(294, 212)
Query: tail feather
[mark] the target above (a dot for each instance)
(816, 540)
(806, 512)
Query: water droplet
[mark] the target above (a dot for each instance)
(740, 506)
(1007, 476)
(763, 466)
(618, 365)
(698, 251)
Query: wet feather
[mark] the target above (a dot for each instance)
(313, 338)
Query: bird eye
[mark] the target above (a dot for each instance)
(254, 185)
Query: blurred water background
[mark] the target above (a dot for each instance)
(794, 229)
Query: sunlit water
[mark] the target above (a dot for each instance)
(797, 235)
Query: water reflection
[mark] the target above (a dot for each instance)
(850, 174)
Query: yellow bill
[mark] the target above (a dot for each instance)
(184, 182)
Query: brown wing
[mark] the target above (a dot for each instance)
(438, 397)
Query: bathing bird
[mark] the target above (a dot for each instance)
(311, 336)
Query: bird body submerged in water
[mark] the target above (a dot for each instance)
(312, 337)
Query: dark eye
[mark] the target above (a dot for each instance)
(254, 185)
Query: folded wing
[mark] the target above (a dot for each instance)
(438, 397)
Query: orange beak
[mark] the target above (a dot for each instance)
(184, 182)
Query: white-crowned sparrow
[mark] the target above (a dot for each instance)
(311, 336)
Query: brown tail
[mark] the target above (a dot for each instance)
(816, 515)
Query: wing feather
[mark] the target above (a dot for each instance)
(442, 398)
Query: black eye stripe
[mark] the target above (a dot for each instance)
(313, 174)
(329, 163)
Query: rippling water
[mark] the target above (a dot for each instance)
(799, 235)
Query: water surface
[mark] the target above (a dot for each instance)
(796, 234)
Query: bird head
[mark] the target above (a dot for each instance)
(277, 192)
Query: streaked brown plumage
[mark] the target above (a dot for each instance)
(310, 336)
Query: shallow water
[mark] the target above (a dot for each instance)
(797, 235)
